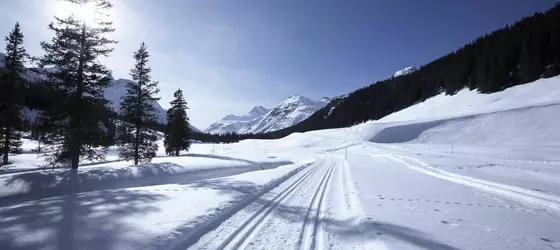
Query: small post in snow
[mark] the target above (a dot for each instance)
(213, 149)
(346, 153)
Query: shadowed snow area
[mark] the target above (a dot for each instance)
(163, 170)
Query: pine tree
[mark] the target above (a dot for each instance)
(11, 82)
(79, 80)
(137, 141)
(178, 131)
(529, 65)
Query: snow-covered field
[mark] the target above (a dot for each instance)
(468, 171)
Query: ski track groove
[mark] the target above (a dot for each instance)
(309, 231)
(318, 234)
(264, 212)
(546, 202)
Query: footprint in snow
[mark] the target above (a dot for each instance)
(545, 239)
(448, 223)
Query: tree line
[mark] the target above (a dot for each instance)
(73, 118)
(516, 54)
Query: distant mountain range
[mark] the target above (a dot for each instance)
(259, 119)
(114, 93)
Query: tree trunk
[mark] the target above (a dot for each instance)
(136, 145)
(75, 141)
(176, 152)
(39, 141)
(6, 148)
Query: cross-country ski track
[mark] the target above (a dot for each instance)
(292, 214)
(319, 208)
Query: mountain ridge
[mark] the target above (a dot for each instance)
(289, 112)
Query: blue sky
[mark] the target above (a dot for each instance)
(229, 56)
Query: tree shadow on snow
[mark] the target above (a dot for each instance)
(42, 184)
(75, 221)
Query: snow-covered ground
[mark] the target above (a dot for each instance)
(468, 171)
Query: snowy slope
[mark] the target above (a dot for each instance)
(404, 71)
(543, 91)
(288, 113)
(522, 115)
(233, 123)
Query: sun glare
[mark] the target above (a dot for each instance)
(86, 12)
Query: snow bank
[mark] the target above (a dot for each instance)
(162, 170)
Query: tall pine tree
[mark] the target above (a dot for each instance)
(11, 96)
(137, 141)
(79, 80)
(177, 132)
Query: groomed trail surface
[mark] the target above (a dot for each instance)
(411, 204)
(314, 209)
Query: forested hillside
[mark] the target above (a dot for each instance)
(516, 54)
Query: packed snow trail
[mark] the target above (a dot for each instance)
(302, 213)
(411, 206)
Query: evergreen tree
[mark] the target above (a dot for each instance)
(79, 80)
(137, 141)
(529, 65)
(11, 98)
(177, 133)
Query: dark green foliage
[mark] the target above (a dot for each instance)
(79, 80)
(136, 140)
(224, 138)
(177, 132)
(516, 54)
(11, 94)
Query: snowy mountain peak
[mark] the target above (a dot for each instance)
(405, 71)
(297, 99)
(258, 110)
(289, 112)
